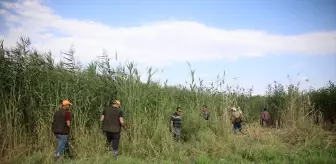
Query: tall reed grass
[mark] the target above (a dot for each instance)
(32, 85)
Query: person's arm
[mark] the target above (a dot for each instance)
(171, 124)
(102, 116)
(121, 119)
(68, 118)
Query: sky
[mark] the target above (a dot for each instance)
(255, 42)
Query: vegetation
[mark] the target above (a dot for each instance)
(32, 85)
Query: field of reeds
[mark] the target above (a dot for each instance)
(32, 85)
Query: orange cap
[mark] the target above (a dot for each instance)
(66, 102)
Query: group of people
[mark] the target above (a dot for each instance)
(236, 120)
(112, 120)
(176, 121)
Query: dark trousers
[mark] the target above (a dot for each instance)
(237, 127)
(113, 138)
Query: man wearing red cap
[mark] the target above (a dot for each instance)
(61, 128)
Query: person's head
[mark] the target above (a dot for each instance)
(179, 111)
(233, 109)
(265, 109)
(116, 103)
(204, 107)
(65, 104)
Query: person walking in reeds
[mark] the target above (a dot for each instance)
(236, 120)
(265, 117)
(61, 128)
(205, 112)
(112, 120)
(176, 123)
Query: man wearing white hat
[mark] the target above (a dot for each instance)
(236, 120)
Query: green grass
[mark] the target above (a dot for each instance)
(263, 156)
(32, 86)
(257, 146)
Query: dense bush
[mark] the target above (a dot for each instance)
(324, 100)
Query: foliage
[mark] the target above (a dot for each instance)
(32, 85)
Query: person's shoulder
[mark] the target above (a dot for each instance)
(68, 114)
(106, 108)
(113, 107)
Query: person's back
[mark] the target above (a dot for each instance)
(61, 128)
(176, 123)
(59, 123)
(111, 122)
(206, 113)
(236, 116)
(177, 120)
(236, 120)
(265, 117)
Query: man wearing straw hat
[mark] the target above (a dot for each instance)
(236, 120)
(113, 119)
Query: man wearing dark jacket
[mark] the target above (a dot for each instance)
(61, 128)
(113, 119)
